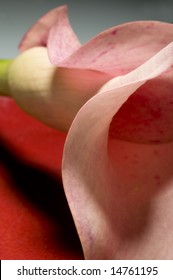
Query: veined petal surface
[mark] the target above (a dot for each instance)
(53, 30)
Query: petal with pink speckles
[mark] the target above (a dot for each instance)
(54, 25)
(120, 191)
(122, 48)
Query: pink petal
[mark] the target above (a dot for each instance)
(120, 192)
(62, 40)
(122, 48)
(54, 24)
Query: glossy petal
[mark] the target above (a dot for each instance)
(54, 24)
(120, 192)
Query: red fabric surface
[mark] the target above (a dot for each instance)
(35, 220)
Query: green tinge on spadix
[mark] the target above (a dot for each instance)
(4, 69)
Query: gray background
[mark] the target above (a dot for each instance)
(87, 17)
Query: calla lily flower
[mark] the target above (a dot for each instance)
(113, 95)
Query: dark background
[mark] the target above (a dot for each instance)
(87, 17)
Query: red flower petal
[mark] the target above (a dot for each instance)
(120, 193)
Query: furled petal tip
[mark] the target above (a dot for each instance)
(54, 31)
(115, 51)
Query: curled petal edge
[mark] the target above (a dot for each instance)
(91, 176)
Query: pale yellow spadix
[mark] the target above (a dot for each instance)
(51, 94)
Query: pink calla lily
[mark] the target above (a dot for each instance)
(118, 155)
